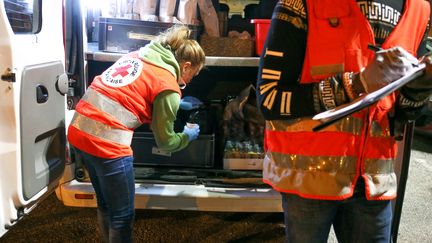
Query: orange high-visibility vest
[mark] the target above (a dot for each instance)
(116, 102)
(327, 164)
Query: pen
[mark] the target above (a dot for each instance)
(374, 48)
(377, 48)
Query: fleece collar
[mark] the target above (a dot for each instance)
(160, 56)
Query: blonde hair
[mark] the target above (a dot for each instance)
(177, 38)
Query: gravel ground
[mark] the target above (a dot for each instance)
(53, 222)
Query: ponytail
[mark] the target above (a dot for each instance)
(177, 38)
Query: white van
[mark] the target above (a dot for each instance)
(49, 53)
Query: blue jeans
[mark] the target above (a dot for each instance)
(354, 219)
(113, 182)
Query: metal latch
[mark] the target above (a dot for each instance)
(8, 76)
(62, 84)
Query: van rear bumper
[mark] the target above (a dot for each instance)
(181, 197)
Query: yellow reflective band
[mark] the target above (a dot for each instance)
(378, 166)
(111, 107)
(330, 164)
(100, 130)
(327, 69)
(348, 124)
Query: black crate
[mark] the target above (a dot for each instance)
(199, 153)
(126, 35)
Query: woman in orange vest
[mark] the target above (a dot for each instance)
(141, 87)
(316, 57)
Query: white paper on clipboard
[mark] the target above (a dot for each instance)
(333, 115)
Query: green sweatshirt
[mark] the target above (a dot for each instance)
(166, 104)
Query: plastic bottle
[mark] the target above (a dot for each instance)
(229, 148)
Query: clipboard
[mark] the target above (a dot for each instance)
(331, 116)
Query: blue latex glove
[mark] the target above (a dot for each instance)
(189, 103)
(192, 130)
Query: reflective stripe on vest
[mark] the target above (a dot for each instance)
(100, 130)
(348, 124)
(331, 164)
(112, 108)
(300, 175)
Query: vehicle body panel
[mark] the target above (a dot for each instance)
(32, 126)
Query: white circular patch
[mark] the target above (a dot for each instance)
(122, 72)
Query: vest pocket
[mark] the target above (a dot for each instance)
(328, 32)
(326, 61)
(329, 9)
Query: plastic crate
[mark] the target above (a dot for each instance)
(199, 153)
(261, 30)
(126, 35)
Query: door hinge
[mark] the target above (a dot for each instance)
(8, 76)
(20, 215)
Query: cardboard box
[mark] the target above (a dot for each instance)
(227, 46)
(242, 164)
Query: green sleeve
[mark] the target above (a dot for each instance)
(165, 107)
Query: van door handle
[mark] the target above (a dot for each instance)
(41, 94)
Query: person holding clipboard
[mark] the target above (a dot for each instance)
(316, 58)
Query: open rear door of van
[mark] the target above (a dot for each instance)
(32, 105)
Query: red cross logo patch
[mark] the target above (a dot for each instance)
(123, 72)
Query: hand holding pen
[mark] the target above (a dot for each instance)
(388, 65)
